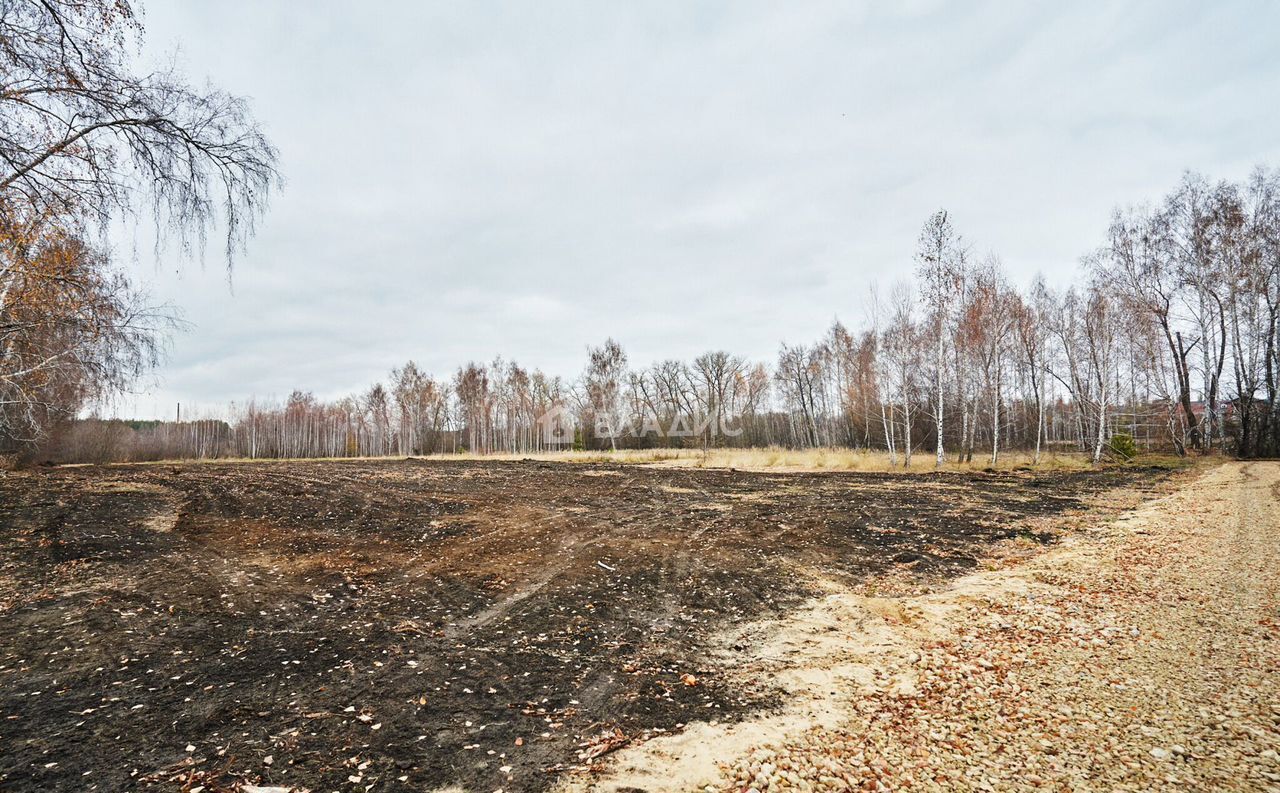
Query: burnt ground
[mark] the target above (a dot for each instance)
(401, 625)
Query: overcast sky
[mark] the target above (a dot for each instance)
(525, 179)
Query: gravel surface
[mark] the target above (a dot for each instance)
(1143, 655)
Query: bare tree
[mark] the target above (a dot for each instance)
(882, 373)
(84, 136)
(1030, 321)
(940, 257)
(1101, 333)
(994, 303)
(902, 347)
(472, 385)
(718, 374)
(1138, 266)
(1264, 262)
(606, 372)
(1192, 226)
(797, 374)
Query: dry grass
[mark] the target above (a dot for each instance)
(780, 459)
(768, 459)
(862, 460)
(775, 458)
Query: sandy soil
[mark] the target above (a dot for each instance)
(1140, 654)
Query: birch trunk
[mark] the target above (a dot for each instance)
(939, 357)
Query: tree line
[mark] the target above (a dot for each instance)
(1167, 341)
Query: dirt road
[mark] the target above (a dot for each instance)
(1141, 654)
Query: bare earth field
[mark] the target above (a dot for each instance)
(408, 625)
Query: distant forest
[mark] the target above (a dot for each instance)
(1168, 341)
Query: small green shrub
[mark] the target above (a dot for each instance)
(1122, 446)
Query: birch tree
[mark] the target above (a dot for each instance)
(1030, 321)
(882, 374)
(939, 258)
(995, 316)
